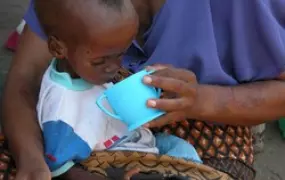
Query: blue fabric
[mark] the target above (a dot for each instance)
(65, 80)
(224, 42)
(176, 147)
(62, 144)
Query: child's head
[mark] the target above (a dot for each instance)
(91, 35)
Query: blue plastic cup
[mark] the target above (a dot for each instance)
(128, 100)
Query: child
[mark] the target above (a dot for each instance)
(85, 61)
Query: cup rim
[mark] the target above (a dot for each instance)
(124, 80)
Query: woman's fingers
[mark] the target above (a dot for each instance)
(181, 74)
(170, 104)
(169, 84)
(130, 173)
(179, 93)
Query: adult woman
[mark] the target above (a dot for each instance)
(228, 46)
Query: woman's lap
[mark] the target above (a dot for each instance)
(225, 148)
(149, 164)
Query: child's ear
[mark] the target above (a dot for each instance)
(56, 47)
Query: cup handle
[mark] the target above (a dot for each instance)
(158, 90)
(100, 105)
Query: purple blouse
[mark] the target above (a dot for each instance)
(224, 42)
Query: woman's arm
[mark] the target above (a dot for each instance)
(247, 104)
(20, 98)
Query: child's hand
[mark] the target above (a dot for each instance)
(76, 173)
(131, 173)
(121, 174)
(32, 167)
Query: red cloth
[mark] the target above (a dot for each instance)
(12, 41)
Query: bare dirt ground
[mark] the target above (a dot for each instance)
(270, 164)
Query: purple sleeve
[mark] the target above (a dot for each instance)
(32, 21)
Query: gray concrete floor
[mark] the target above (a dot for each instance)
(270, 164)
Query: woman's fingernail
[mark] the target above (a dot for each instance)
(151, 103)
(147, 79)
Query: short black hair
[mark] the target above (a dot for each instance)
(51, 13)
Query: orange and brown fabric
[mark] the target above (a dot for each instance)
(226, 148)
(149, 163)
(7, 167)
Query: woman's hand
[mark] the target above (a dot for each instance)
(34, 175)
(31, 165)
(33, 171)
(183, 98)
(180, 89)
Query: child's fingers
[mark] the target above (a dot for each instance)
(130, 173)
